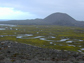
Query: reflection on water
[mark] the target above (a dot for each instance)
(37, 32)
(51, 42)
(10, 28)
(42, 39)
(69, 41)
(79, 50)
(16, 29)
(8, 25)
(19, 36)
(80, 40)
(71, 45)
(63, 40)
(53, 37)
(2, 28)
(82, 48)
(6, 35)
(38, 36)
(23, 35)
(28, 34)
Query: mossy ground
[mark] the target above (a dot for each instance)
(74, 34)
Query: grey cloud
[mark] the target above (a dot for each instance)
(43, 8)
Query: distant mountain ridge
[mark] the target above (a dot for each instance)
(62, 19)
(59, 16)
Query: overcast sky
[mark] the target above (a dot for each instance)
(31, 9)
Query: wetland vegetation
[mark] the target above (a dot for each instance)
(45, 36)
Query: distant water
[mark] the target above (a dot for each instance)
(63, 40)
(2, 28)
(23, 35)
(3, 20)
(7, 25)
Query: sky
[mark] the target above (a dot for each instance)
(32, 9)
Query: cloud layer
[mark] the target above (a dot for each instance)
(42, 8)
(11, 13)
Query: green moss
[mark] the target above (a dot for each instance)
(60, 32)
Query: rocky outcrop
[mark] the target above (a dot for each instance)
(14, 52)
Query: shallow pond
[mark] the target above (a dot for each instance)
(82, 48)
(52, 37)
(71, 45)
(69, 41)
(63, 40)
(8, 25)
(42, 39)
(23, 35)
(51, 42)
(19, 36)
(6, 35)
(2, 29)
(80, 40)
(38, 36)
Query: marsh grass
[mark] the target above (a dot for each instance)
(60, 32)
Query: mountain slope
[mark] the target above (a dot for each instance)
(60, 19)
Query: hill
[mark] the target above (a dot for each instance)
(62, 19)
